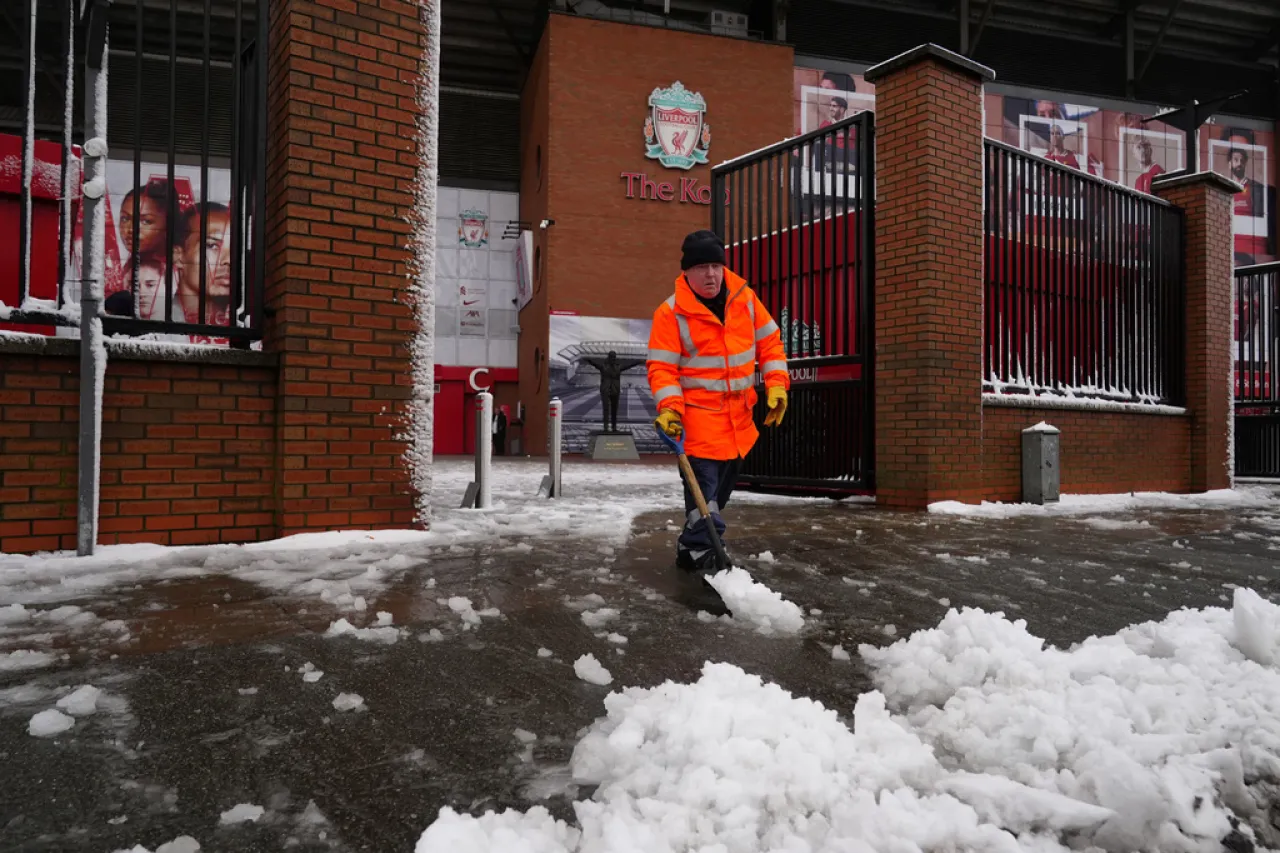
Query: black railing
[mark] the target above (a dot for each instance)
(184, 197)
(1084, 285)
(797, 219)
(795, 225)
(1257, 336)
(1256, 352)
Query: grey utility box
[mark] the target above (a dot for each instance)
(1040, 473)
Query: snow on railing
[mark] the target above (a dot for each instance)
(181, 255)
(1084, 285)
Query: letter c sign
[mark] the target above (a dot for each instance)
(472, 379)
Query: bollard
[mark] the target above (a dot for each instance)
(479, 493)
(1041, 476)
(484, 448)
(550, 486)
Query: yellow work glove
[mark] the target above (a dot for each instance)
(668, 421)
(777, 406)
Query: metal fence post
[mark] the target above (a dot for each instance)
(550, 486)
(484, 448)
(93, 354)
(557, 421)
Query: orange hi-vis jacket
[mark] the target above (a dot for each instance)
(706, 370)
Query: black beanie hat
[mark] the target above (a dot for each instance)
(701, 247)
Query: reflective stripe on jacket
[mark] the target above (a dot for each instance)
(705, 369)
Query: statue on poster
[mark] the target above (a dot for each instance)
(611, 369)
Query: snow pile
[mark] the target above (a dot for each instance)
(1257, 627)
(49, 723)
(383, 634)
(181, 844)
(241, 813)
(1088, 504)
(1145, 740)
(81, 702)
(310, 674)
(591, 671)
(348, 702)
(24, 659)
(17, 620)
(338, 594)
(510, 832)
(733, 764)
(1162, 723)
(755, 603)
(1115, 523)
(598, 618)
(463, 607)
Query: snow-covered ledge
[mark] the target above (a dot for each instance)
(1080, 404)
(132, 349)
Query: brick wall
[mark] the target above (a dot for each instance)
(342, 162)
(187, 449)
(1100, 452)
(609, 255)
(1208, 261)
(928, 289)
(534, 320)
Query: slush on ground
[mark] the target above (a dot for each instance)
(1103, 674)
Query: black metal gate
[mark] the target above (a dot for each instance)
(1257, 357)
(798, 222)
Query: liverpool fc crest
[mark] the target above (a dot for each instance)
(675, 132)
(473, 228)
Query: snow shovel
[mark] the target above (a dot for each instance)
(677, 446)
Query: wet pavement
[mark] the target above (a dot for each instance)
(205, 706)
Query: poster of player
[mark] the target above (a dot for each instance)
(1058, 140)
(1236, 154)
(578, 348)
(1065, 133)
(823, 98)
(138, 220)
(1146, 155)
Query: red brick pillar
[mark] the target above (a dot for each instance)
(342, 115)
(1208, 264)
(928, 287)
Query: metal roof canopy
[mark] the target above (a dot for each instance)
(488, 45)
(1238, 32)
(1151, 35)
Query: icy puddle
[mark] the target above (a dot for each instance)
(1162, 737)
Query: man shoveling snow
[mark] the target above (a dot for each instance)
(706, 344)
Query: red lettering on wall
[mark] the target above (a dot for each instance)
(687, 188)
(631, 177)
(648, 187)
(642, 186)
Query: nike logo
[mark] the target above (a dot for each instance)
(472, 302)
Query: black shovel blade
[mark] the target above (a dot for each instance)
(696, 593)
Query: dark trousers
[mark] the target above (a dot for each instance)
(610, 400)
(716, 478)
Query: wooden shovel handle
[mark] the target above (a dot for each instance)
(687, 470)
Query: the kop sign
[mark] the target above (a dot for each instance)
(677, 135)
